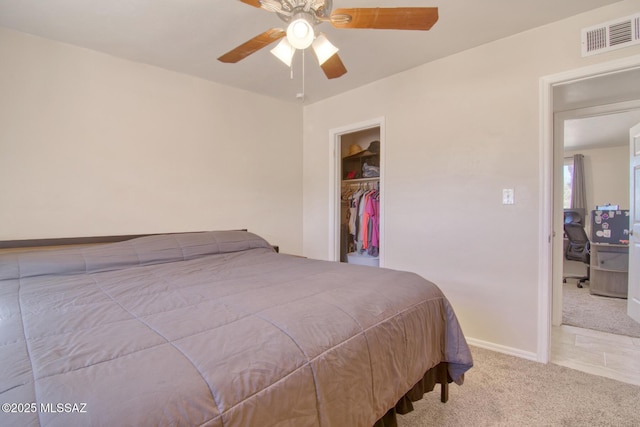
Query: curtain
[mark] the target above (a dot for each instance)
(578, 191)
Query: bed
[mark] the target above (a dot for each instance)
(216, 329)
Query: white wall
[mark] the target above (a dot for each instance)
(606, 175)
(95, 145)
(458, 131)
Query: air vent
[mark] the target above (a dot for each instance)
(611, 35)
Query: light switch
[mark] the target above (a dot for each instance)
(507, 196)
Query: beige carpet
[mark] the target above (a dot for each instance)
(606, 314)
(503, 390)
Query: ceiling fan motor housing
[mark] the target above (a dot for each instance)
(317, 10)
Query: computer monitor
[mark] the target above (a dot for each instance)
(574, 216)
(608, 207)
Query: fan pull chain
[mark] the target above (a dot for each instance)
(300, 95)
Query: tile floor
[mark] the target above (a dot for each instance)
(598, 353)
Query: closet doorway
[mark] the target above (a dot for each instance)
(358, 193)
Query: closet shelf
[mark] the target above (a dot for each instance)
(356, 180)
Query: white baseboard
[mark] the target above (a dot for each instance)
(503, 349)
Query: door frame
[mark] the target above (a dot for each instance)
(335, 180)
(633, 293)
(548, 237)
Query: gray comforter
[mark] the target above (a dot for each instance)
(213, 329)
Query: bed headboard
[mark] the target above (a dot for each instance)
(53, 243)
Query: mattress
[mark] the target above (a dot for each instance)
(213, 329)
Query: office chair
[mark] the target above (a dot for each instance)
(579, 249)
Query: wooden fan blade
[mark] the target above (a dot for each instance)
(394, 18)
(253, 45)
(333, 67)
(254, 3)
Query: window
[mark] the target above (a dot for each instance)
(568, 181)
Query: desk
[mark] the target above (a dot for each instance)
(609, 269)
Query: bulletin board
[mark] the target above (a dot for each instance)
(610, 226)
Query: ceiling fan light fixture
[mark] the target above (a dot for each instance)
(302, 16)
(284, 51)
(323, 48)
(300, 32)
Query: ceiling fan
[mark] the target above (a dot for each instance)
(302, 16)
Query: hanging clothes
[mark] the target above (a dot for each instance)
(363, 220)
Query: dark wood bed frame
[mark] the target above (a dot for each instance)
(75, 241)
(35, 244)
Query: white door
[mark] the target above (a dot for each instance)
(633, 301)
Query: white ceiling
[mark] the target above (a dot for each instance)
(607, 130)
(605, 107)
(188, 35)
